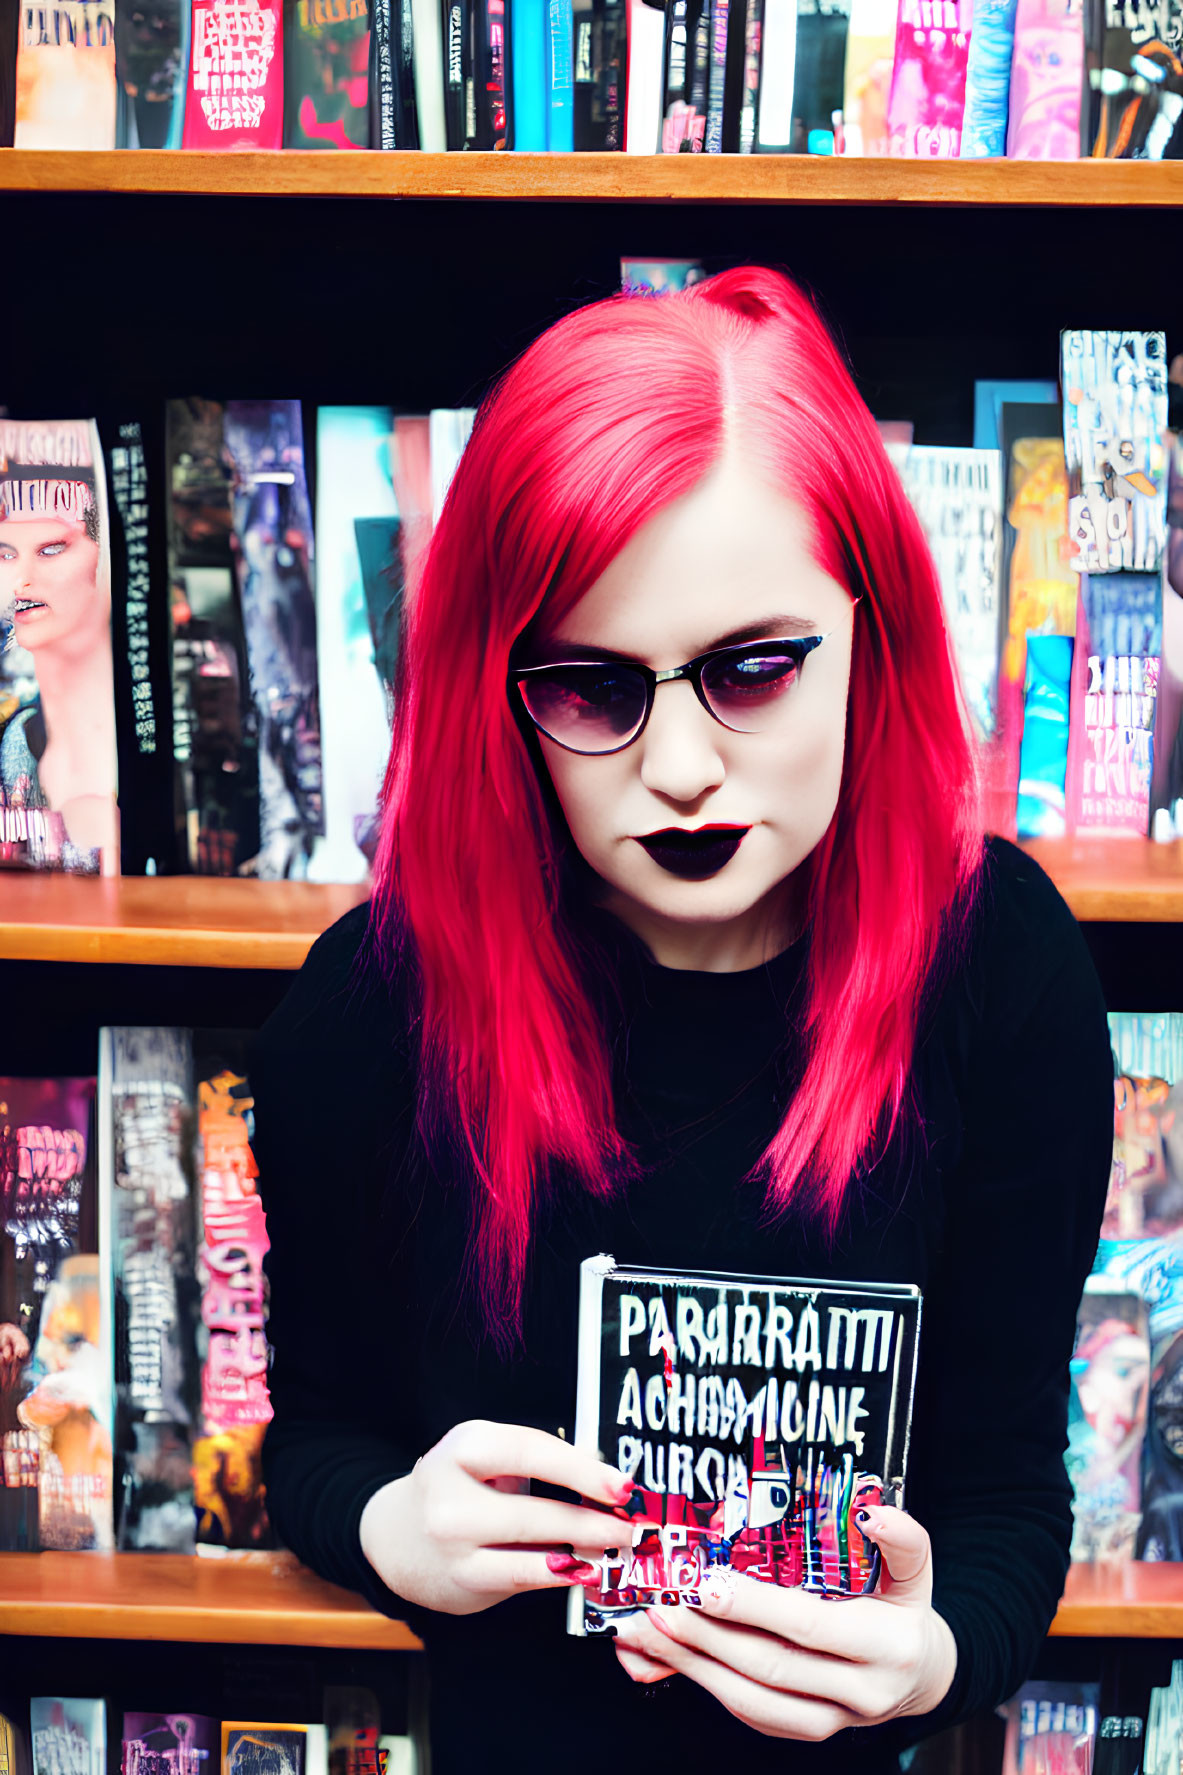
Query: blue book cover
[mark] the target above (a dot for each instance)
(988, 400)
(987, 80)
(560, 26)
(528, 26)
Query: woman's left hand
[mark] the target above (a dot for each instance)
(792, 1665)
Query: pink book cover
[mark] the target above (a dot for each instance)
(928, 79)
(1046, 81)
(235, 75)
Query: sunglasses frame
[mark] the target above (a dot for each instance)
(692, 671)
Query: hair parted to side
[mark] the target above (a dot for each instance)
(613, 413)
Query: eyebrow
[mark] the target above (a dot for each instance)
(550, 652)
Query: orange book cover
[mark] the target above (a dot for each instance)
(65, 75)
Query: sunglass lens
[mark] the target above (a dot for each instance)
(586, 708)
(746, 689)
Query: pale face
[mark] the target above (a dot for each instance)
(49, 582)
(731, 560)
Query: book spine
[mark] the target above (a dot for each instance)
(429, 75)
(559, 85)
(750, 93)
(927, 102)
(610, 72)
(65, 89)
(644, 64)
(454, 19)
(402, 55)
(718, 17)
(987, 80)
(584, 135)
(383, 134)
(778, 58)
(528, 38)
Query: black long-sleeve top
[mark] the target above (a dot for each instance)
(990, 1199)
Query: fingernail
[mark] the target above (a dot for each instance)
(565, 1565)
(626, 1491)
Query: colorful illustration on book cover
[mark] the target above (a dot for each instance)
(65, 75)
(1135, 92)
(1122, 616)
(1046, 81)
(169, 1744)
(1043, 588)
(57, 698)
(870, 56)
(1115, 418)
(927, 101)
(1110, 1371)
(68, 1737)
(55, 1392)
(326, 75)
(262, 1749)
(755, 1421)
(151, 65)
(235, 95)
(235, 1404)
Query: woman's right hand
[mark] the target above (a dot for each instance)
(461, 1532)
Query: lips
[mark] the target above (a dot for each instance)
(24, 605)
(694, 855)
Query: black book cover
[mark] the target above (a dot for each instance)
(820, 69)
(610, 61)
(10, 13)
(584, 76)
(406, 117)
(383, 133)
(151, 68)
(1133, 100)
(455, 34)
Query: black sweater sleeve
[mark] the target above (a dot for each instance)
(326, 1143)
(1023, 1211)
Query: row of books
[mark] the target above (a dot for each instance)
(67, 1735)
(240, 677)
(1034, 79)
(1063, 1728)
(133, 1352)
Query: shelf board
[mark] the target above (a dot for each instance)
(1121, 1602)
(180, 920)
(1115, 880)
(258, 1599)
(699, 178)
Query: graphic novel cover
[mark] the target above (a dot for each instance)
(685, 85)
(235, 92)
(65, 75)
(69, 1737)
(215, 729)
(1046, 81)
(756, 1416)
(58, 752)
(146, 1142)
(1122, 614)
(957, 495)
(927, 101)
(819, 73)
(359, 586)
(560, 49)
(870, 55)
(1041, 807)
(1134, 99)
(55, 1335)
(235, 1404)
(987, 80)
(272, 546)
(151, 73)
(1110, 1371)
(254, 1748)
(326, 86)
(1115, 418)
(169, 1744)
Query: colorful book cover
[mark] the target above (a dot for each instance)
(235, 96)
(870, 55)
(326, 86)
(560, 124)
(756, 1416)
(65, 75)
(68, 1737)
(1046, 81)
(272, 547)
(55, 1323)
(1110, 1371)
(1042, 804)
(169, 1744)
(927, 103)
(1122, 632)
(1134, 98)
(957, 495)
(235, 1404)
(987, 80)
(58, 748)
(528, 27)
(819, 73)
(215, 729)
(146, 1134)
(252, 1748)
(151, 73)
(355, 506)
(1115, 419)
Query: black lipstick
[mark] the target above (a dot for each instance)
(694, 855)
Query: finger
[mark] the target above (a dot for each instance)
(500, 1571)
(771, 1711)
(544, 1522)
(640, 1668)
(850, 1628)
(906, 1550)
(775, 1663)
(490, 1451)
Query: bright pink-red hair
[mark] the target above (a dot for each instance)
(613, 413)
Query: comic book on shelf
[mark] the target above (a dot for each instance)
(1134, 99)
(756, 1415)
(1110, 1372)
(55, 1332)
(987, 80)
(169, 1744)
(1046, 81)
(251, 1747)
(326, 85)
(1115, 420)
(151, 73)
(819, 73)
(69, 1737)
(927, 100)
(235, 91)
(1120, 638)
(65, 75)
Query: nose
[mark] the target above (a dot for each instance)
(680, 756)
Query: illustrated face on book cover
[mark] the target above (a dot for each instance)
(694, 824)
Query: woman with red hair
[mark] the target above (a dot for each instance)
(684, 945)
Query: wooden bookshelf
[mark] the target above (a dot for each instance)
(268, 1599)
(193, 921)
(615, 178)
(239, 1599)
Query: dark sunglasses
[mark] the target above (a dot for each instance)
(601, 706)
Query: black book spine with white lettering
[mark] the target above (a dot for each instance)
(756, 1416)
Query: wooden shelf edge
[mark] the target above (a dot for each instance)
(1135, 1601)
(206, 1626)
(701, 178)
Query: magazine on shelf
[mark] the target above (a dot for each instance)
(755, 1416)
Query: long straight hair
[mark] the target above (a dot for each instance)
(610, 415)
